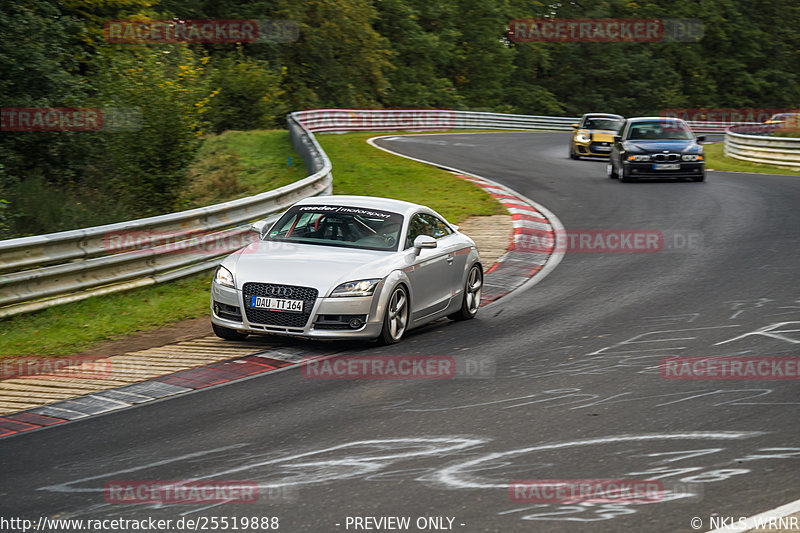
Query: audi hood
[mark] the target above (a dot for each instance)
(318, 266)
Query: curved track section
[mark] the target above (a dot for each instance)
(573, 390)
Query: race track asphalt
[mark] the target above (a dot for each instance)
(573, 389)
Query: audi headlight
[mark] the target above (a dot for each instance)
(638, 158)
(583, 138)
(224, 277)
(692, 157)
(364, 287)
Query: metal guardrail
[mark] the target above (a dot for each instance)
(46, 270)
(703, 126)
(319, 120)
(757, 145)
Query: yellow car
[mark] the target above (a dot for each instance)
(594, 135)
(785, 120)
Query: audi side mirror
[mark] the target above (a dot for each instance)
(423, 241)
(259, 226)
(701, 138)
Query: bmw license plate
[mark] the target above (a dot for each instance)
(667, 166)
(276, 304)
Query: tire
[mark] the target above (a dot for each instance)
(228, 334)
(611, 172)
(625, 177)
(472, 295)
(395, 319)
(701, 177)
(572, 154)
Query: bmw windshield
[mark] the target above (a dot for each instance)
(659, 130)
(335, 225)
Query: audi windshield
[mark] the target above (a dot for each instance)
(335, 225)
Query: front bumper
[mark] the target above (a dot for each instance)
(645, 169)
(329, 317)
(593, 148)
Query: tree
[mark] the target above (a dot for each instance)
(339, 59)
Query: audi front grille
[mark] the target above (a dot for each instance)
(279, 318)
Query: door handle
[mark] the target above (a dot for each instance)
(450, 260)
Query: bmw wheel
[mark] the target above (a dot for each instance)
(395, 319)
(624, 176)
(472, 295)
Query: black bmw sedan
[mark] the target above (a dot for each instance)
(656, 147)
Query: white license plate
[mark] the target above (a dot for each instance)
(602, 148)
(276, 304)
(667, 166)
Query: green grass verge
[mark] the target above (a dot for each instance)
(78, 326)
(236, 164)
(716, 160)
(358, 169)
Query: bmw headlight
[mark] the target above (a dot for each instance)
(692, 157)
(638, 158)
(363, 287)
(224, 277)
(583, 138)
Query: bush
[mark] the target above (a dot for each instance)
(145, 166)
(787, 132)
(247, 95)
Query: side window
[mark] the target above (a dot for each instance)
(416, 228)
(425, 224)
(439, 228)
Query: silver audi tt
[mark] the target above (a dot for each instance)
(347, 267)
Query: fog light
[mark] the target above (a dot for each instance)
(355, 323)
